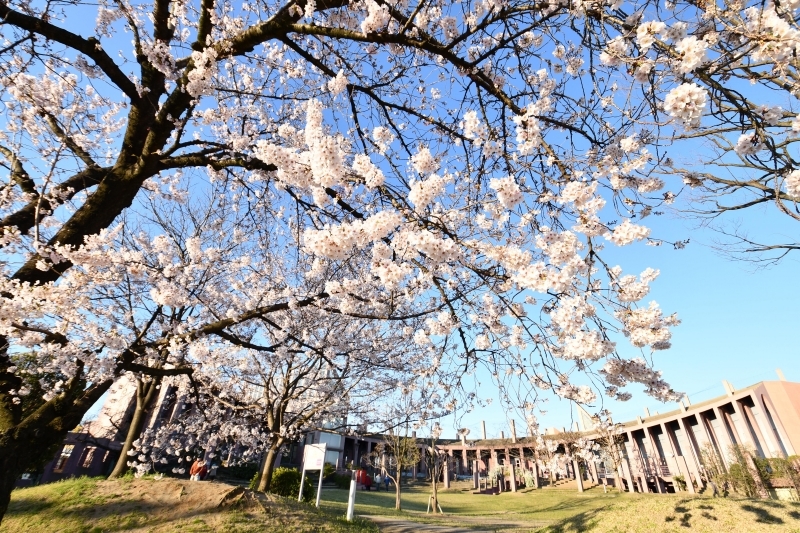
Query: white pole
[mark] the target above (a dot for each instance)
(302, 480)
(351, 499)
(319, 487)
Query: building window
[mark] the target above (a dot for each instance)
(61, 462)
(88, 456)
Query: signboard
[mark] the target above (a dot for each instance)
(313, 459)
(314, 456)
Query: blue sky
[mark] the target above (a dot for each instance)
(739, 322)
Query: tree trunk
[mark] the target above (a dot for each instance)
(145, 394)
(397, 488)
(265, 478)
(435, 494)
(617, 482)
(30, 441)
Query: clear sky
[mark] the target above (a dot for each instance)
(739, 322)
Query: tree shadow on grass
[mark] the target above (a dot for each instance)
(682, 510)
(580, 522)
(762, 515)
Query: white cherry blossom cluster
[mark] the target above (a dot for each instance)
(373, 176)
(619, 372)
(648, 326)
(528, 132)
(579, 394)
(338, 242)
(423, 192)
(627, 232)
(508, 191)
(686, 103)
(377, 17)
(424, 162)
(201, 76)
(792, 183)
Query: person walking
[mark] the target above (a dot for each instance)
(378, 481)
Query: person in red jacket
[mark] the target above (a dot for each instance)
(363, 479)
(198, 471)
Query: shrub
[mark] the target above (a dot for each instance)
(254, 481)
(286, 482)
(342, 481)
(327, 471)
(680, 481)
(239, 471)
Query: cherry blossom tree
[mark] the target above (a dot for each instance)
(437, 460)
(396, 453)
(464, 164)
(612, 444)
(415, 404)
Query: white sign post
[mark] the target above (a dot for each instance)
(313, 459)
(351, 498)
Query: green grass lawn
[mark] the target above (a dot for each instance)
(536, 505)
(556, 510)
(146, 505)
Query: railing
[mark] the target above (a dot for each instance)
(653, 467)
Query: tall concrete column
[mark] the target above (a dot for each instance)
(593, 466)
(752, 423)
(722, 436)
(475, 475)
(693, 457)
(787, 444)
(771, 447)
(685, 473)
(679, 461)
(626, 475)
(747, 437)
(640, 468)
(578, 477)
(446, 472)
(511, 473)
(671, 453)
(655, 459)
(761, 490)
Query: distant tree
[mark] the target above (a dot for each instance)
(394, 455)
(438, 462)
(611, 442)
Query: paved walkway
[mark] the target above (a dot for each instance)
(452, 524)
(388, 524)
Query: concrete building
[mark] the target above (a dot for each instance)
(764, 417)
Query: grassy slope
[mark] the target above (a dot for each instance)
(92, 505)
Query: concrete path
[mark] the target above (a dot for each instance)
(454, 524)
